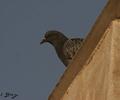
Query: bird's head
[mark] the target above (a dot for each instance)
(54, 38)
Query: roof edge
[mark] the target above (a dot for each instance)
(111, 11)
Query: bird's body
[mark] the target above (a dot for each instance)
(70, 48)
(65, 48)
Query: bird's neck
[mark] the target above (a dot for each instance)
(59, 43)
(59, 49)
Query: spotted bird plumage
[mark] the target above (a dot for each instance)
(65, 48)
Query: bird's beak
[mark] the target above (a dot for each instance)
(43, 41)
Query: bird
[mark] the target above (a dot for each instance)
(65, 47)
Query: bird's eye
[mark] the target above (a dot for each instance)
(47, 35)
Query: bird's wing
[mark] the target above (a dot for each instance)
(71, 46)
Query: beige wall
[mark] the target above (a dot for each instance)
(100, 79)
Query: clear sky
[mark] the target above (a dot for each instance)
(26, 68)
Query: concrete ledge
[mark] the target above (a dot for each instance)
(100, 78)
(82, 58)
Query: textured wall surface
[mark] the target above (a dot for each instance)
(100, 79)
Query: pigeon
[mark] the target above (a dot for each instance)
(65, 47)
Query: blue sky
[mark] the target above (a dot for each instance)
(26, 68)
